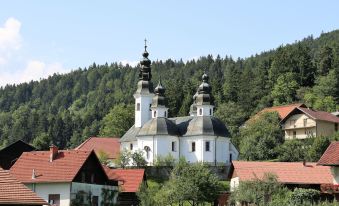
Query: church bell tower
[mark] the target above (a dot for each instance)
(144, 94)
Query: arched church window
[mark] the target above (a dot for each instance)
(200, 111)
(147, 149)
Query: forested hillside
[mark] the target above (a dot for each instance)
(66, 109)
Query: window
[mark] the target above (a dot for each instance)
(305, 122)
(231, 157)
(207, 146)
(54, 199)
(210, 111)
(200, 111)
(131, 146)
(294, 134)
(292, 122)
(193, 147)
(154, 113)
(138, 106)
(173, 147)
(336, 127)
(147, 149)
(165, 114)
(95, 201)
(150, 105)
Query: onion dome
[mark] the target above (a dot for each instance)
(204, 92)
(145, 85)
(159, 99)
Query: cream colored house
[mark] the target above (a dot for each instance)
(303, 123)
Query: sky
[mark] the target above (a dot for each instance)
(39, 38)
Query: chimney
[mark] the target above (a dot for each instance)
(33, 174)
(53, 151)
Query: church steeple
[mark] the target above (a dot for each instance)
(204, 101)
(143, 95)
(158, 107)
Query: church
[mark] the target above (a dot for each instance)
(199, 137)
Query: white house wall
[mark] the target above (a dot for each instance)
(43, 190)
(223, 150)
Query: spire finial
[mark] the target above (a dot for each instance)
(145, 43)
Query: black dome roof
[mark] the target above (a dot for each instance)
(159, 126)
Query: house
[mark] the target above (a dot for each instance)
(282, 110)
(290, 174)
(303, 123)
(109, 146)
(130, 181)
(12, 152)
(199, 137)
(12, 192)
(330, 158)
(335, 113)
(62, 177)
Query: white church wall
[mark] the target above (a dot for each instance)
(186, 149)
(147, 141)
(208, 156)
(223, 150)
(164, 146)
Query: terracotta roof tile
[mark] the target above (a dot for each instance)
(109, 145)
(320, 115)
(287, 172)
(130, 178)
(331, 155)
(14, 192)
(283, 110)
(63, 168)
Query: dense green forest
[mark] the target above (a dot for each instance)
(66, 109)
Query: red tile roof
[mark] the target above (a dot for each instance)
(320, 115)
(331, 155)
(63, 168)
(287, 172)
(283, 110)
(131, 178)
(14, 192)
(109, 145)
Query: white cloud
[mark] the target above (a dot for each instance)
(10, 39)
(131, 63)
(34, 70)
(14, 72)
